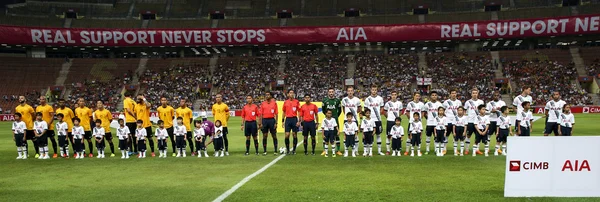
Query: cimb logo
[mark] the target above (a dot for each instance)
(517, 166)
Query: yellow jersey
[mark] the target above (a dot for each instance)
(84, 115)
(27, 114)
(166, 115)
(106, 117)
(221, 113)
(47, 116)
(143, 113)
(128, 103)
(68, 117)
(186, 114)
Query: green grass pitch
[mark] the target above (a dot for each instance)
(293, 178)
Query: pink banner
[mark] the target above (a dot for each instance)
(569, 25)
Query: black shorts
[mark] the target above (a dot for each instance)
(218, 144)
(62, 141)
(250, 128)
(493, 127)
(141, 145)
(310, 127)
(123, 145)
(551, 127)
(429, 130)
(349, 140)
(368, 140)
(29, 135)
(42, 141)
(78, 145)
(378, 127)
(416, 139)
(566, 131)
(19, 140)
(87, 135)
(108, 136)
(290, 124)
(480, 138)
(449, 129)
(330, 136)
(100, 145)
(268, 125)
(388, 127)
(471, 129)
(162, 144)
(459, 135)
(180, 141)
(525, 131)
(440, 135)
(50, 133)
(149, 132)
(502, 135)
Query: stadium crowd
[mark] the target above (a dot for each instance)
(390, 72)
(312, 74)
(174, 82)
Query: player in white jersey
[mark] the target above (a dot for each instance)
(350, 130)
(460, 121)
(472, 113)
(391, 110)
(374, 103)
(525, 119)
(162, 134)
(397, 132)
(330, 128)
(39, 128)
(552, 111)
(567, 121)
(78, 133)
(123, 134)
(98, 134)
(493, 108)
(416, 129)
(414, 106)
(180, 132)
(431, 108)
(518, 102)
(368, 127)
(503, 131)
(18, 129)
(61, 128)
(352, 105)
(441, 122)
(140, 134)
(199, 137)
(482, 125)
(451, 106)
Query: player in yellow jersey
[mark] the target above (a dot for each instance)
(27, 114)
(130, 119)
(106, 117)
(220, 112)
(68, 118)
(186, 113)
(166, 114)
(48, 116)
(142, 112)
(85, 116)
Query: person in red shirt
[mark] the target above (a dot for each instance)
(249, 114)
(290, 120)
(268, 111)
(309, 113)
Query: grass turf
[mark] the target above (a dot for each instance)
(294, 178)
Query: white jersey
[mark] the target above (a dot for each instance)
(503, 122)
(329, 124)
(77, 132)
(161, 134)
(461, 121)
(416, 127)
(494, 106)
(554, 109)
(351, 105)
(140, 133)
(452, 109)
(123, 133)
(566, 120)
(525, 118)
(397, 132)
(368, 125)
(413, 107)
(19, 127)
(519, 100)
(393, 110)
(199, 133)
(98, 132)
(441, 122)
(482, 122)
(61, 128)
(218, 132)
(472, 112)
(374, 104)
(40, 126)
(432, 112)
(350, 128)
(179, 130)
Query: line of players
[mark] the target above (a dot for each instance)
(442, 120)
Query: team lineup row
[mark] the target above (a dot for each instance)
(442, 120)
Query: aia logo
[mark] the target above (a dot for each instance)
(576, 166)
(514, 166)
(517, 165)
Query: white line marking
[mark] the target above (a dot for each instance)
(249, 177)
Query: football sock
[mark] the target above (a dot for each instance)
(305, 143)
(295, 143)
(264, 144)
(428, 142)
(20, 151)
(387, 145)
(313, 143)
(504, 148)
(256, 145)
(151, 142)
(487, 147)
(467, 142)
(247, 146)
(287, 144)
(275, 144)
(379, 142)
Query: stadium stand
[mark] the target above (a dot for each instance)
(534, 13)
(32, 21)
(458, 17)
(290, 5)
(536, 3)
(375, 20)
(592, 60)
(158, 8)
(179, 23)
(108, 23)
(254, 8)
(318, 21)
(319, 8)
(211, 6)
(230, 23)
(362, 6)
(315, 74)
(389, 72)
(184, 8)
